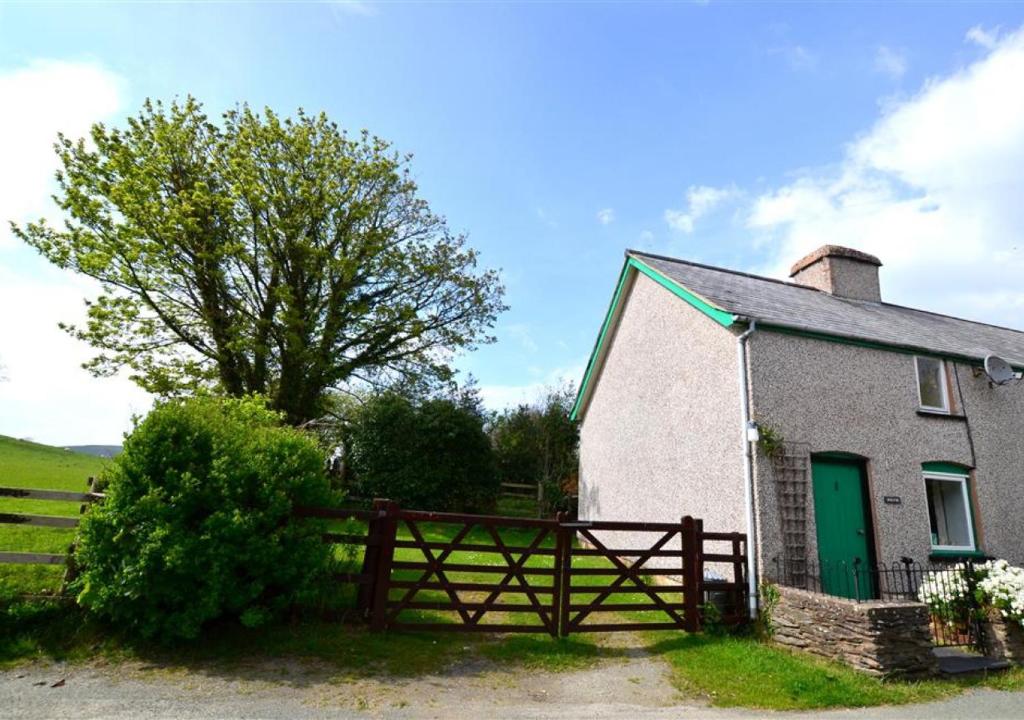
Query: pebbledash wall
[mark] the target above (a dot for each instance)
(836, 397)
(660, 437)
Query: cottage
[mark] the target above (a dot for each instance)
(846, 430)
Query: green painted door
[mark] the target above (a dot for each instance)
(844, 543)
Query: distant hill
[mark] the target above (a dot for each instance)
(104, 451)
(27, 464)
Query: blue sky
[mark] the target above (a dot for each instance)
(556, 135)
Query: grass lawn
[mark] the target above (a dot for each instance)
(727, 671)
(740, 672)
(26, 464)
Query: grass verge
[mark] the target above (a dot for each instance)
(741, 672)
(52, 631)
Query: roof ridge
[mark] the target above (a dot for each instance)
(787, 283)
(953, 317)
(630, 251)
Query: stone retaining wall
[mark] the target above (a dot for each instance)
(1004, 639)
(880, 638)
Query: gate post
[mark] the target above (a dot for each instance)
(371, 558)
(387, 519)
(560, 597)
(975, 627)
(691, 581)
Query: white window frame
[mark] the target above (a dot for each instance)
(943, 385)
(964, 480)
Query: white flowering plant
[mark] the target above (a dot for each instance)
(1001, 586)
(946, 592)
(997, 584)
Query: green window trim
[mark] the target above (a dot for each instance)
(947, 467)
(937, 469)
(952, 554)
(720, 316)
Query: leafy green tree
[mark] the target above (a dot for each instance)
(538, 443)
(261, 255)
(196, 524)
(428, 454)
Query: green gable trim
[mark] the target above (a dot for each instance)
(720, 316)
(612, 307)
(870, 344)
(723, 318)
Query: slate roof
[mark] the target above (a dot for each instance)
(788, 305)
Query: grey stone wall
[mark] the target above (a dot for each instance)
(661, 438)
(884, 639)
(835, 397)
(1004, 639)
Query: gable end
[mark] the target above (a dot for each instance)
(630, 268)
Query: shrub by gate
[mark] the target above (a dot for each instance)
(481, 573)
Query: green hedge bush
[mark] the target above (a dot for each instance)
(428, 455)
(196, 524)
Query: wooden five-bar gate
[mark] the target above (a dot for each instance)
(455, 572)
(483, 573)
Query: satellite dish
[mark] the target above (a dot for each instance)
(998, 370)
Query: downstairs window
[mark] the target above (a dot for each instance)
(949, 511)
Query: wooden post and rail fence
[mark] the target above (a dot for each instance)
(54, 521)
(550, 577)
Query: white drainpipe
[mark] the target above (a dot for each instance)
(748, 468)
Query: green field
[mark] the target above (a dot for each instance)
(729, 671)
(30, 465)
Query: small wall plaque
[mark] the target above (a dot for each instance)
(892, 500)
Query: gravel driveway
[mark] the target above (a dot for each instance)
(636, 687)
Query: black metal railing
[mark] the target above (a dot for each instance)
(948, 589)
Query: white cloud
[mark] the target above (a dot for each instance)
(40, 100)
(606, 216)
(890, 62)
(934, 189)
(700, 201)
(497, 397)
(47, 396)
(355, 7)
(797, 57)
(520, 332)
(545, 217)
(985, 38)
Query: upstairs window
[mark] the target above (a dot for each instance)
(949, 511)
(931, 384)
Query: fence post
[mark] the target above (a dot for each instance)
(71, 567)
(699, 534)
(691, 585)
(388, 519)
(560, 597)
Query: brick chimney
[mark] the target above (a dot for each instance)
(840, 271)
